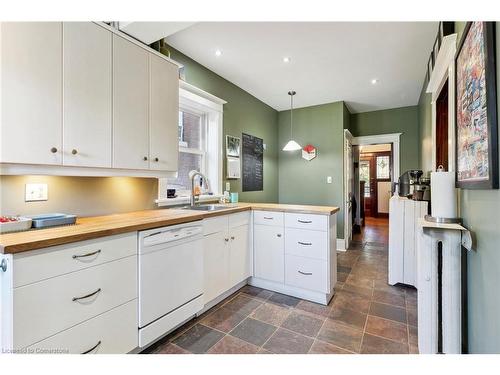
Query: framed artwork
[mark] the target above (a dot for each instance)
(430, 65)
(435, 50)
(233, 146)
(476, 112)
(446, 28)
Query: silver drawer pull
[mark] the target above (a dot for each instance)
(268, 218)
(87, 255)
(87, 296)
(304, 243)
(3, 265)
(305, 221)
(305, 273)
(92, 348)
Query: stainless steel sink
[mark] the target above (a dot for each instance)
(207, 207)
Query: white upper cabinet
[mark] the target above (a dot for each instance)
(31, 92)
(164, 115)
(87, 95)
(130, 105)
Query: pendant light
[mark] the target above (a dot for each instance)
(291, 145)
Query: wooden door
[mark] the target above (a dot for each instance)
(87, 95)
(130, 105)
(376, 175)
(164, 114)
(269, 252)
(240, 255)
(442, 128)
(31, 86)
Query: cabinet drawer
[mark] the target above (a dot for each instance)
(306, 221)
(238, 219)
(268, 218)
(306, 273)
(33, 266)
(114, 332)
(306, 243)
(51, 306)
(214, 225)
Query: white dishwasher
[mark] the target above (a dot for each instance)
(170, 278)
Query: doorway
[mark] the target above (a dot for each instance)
(442, 128)
(376, 170)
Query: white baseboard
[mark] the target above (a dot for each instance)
(318, 297)
(341, 244)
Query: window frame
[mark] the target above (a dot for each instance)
(210, 108)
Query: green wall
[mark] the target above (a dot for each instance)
(242, 113)
(304, 182)
(479, 210)
(398, 120)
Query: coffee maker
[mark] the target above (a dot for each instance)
(413, 186)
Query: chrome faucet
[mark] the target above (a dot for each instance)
(192, 175)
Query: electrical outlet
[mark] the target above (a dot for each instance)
(36, 192)
(228, 186)
(329, 179)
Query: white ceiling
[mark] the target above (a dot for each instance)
(330, 61)
(149, 32)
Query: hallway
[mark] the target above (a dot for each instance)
(365, 316)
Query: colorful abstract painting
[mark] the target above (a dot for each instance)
(473, 122)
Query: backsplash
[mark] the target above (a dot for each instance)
(82, 196)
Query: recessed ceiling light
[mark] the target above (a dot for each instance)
(374, 81)
(286, 59)
(218, 52)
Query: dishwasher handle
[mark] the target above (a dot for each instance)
(171, 235)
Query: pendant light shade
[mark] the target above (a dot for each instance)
(291, 145)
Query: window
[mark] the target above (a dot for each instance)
(364, 175)
(192, 130)
(200, 144)
(383, 167)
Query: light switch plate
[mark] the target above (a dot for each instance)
(36, 192)
(329, 179)
(228, 186)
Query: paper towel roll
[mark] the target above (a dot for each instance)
(443, 195)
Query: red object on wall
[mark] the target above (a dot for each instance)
(309, 152)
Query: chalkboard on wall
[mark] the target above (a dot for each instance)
(253, 162)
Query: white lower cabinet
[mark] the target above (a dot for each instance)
(82, 294)
(295, 254)
(269, 252)
(227, 253)
(113, 332)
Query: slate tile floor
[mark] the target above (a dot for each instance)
(366, 315)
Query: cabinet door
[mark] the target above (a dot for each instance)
(240, 254)
(31, 92)
(216, 265)
(87, 95)
(130, 105)
(269, 253)
(164, 115)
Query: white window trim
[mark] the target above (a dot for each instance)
(201, 102)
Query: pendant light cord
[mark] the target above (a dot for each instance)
(291, 93)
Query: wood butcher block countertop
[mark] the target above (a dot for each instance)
(87, 228)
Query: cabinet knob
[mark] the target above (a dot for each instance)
(226, 239)
(279, 235)
(232, 237)
(145, 158)
(74, 151)
(53, 150)
(156, 159)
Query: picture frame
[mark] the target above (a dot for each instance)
(476, 126)
(233, 146)
(430, 65)
(446, 28)
(435, 49)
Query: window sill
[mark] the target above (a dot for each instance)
(181, 200)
